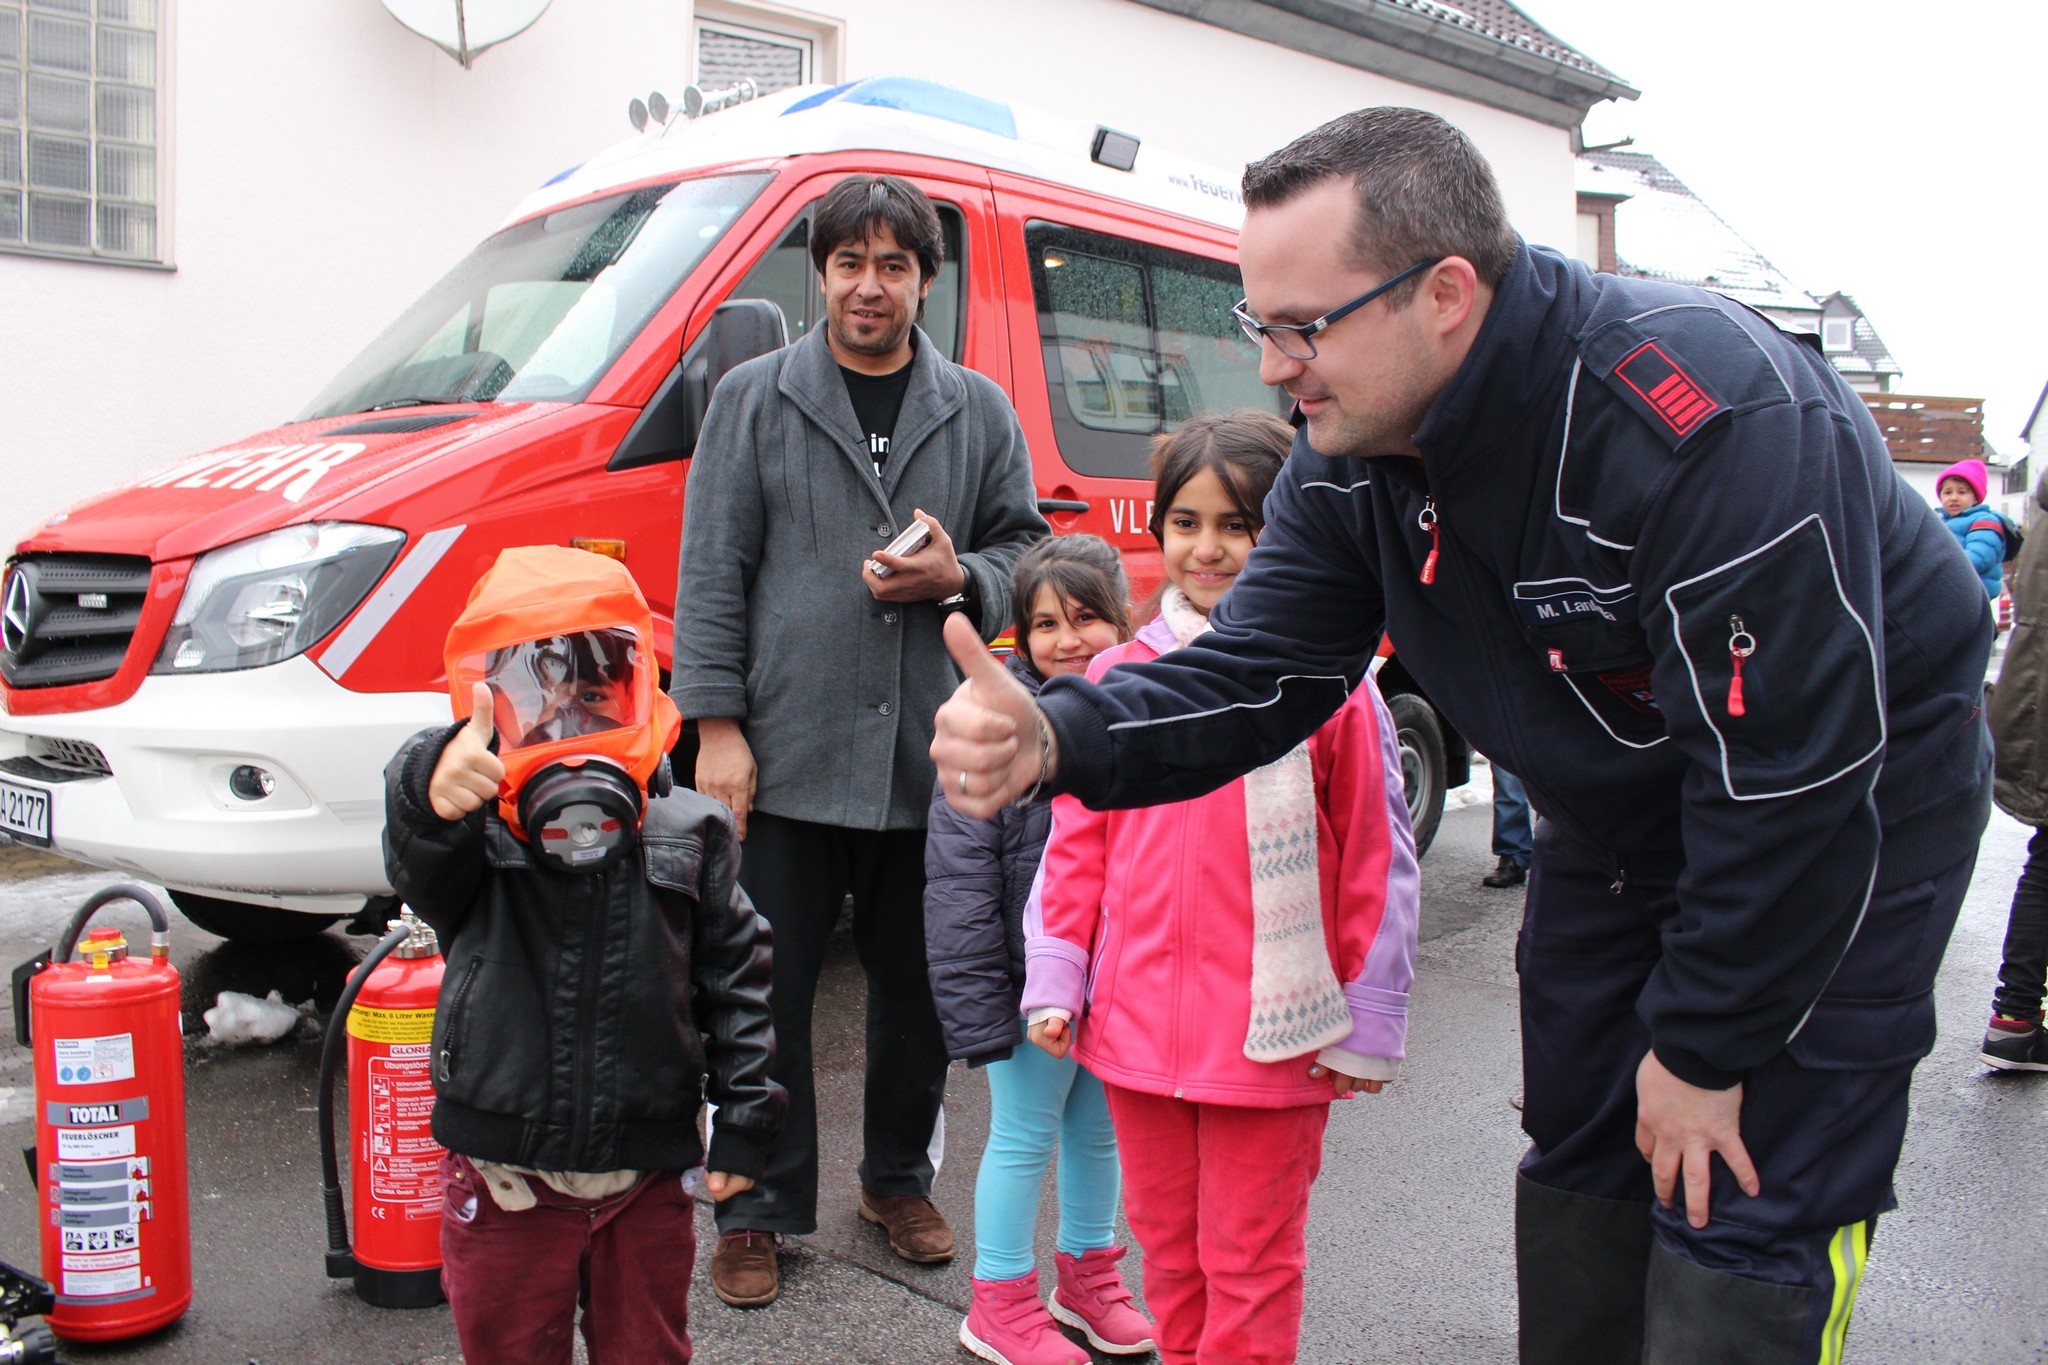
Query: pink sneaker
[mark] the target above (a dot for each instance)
(1008, 1325)
(1092, 1296)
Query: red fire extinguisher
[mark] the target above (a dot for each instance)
(110, 1125)
(394, 1169)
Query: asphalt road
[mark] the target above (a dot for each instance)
(1410, 1229)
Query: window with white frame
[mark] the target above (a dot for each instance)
(729, 52)
(79, 135)
(1837, 334)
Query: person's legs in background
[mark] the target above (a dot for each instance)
(1513, 832)
(2015, 1040)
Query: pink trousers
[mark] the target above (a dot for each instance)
(515, 1280)
(1217, 1195)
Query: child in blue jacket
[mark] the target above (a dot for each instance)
(1986, 536)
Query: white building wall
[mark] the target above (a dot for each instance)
(326, 165)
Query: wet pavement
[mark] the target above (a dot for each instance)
(1410, 1228)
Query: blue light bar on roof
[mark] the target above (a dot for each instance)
(915, 96)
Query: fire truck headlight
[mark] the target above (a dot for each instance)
(269, 598)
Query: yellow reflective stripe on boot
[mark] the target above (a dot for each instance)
(1847, 1253)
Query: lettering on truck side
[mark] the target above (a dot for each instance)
(302, 465)
(1124, 516)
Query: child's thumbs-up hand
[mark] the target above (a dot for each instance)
(987, 745)
(468, 773)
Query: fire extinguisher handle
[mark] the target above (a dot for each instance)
(159, 918)
(24, 974)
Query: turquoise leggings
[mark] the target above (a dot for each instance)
(1036, 1100)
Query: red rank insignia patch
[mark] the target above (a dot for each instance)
(1682, 401)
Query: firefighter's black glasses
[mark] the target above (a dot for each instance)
(1296, 340)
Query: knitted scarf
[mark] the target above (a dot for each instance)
(1297, 1004)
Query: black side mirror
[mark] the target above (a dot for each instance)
(739, 330)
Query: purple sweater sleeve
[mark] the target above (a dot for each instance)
(1055, 971)
(1378, 995)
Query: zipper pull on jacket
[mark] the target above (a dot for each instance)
(1427, 520)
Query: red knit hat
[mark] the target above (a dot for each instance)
(1971, 472)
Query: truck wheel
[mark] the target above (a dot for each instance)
(246, 923)
(1421, 742)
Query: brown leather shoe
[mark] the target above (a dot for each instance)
(917, 1230)
(743, 1270)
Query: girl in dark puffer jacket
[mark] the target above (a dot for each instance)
(1069, 599)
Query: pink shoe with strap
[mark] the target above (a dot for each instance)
(1093, 1297)
(1008, 1325)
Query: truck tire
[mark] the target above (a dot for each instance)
(245, 923)
(1421, 743)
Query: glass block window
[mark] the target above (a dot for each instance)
(729, 53)
(79, 155)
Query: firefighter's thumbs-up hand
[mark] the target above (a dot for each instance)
(468, 773)
(991, 743)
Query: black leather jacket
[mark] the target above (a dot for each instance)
(580, 1013)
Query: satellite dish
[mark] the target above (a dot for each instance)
(636, 114)
(463, 28)
(657, 108)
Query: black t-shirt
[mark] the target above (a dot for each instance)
(877, 399)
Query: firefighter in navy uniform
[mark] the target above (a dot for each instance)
(1651, 554)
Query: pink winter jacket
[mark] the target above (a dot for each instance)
(1144, 919)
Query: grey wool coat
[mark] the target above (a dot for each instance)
(774, 625)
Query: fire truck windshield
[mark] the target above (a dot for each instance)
(540, 310)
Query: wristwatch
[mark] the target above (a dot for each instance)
(966, 599)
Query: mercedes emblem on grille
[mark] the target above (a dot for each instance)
(15, 618)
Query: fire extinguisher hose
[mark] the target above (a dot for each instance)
(159, 918)
(341, 1261)
(159, 946)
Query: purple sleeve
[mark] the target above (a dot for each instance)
(1378, 995)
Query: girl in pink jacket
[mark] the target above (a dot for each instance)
(1228, 965)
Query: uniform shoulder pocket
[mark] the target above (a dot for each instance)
(1783, 668)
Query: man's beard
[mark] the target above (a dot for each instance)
(880, 343)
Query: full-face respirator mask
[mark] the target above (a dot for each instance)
(559, 636)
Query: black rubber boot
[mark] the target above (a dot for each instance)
(1580, 1262)
(1697, 1316)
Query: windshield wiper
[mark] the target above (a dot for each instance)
(440, 400)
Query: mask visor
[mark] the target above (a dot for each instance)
(560, 687)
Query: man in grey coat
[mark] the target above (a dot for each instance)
(812, 661)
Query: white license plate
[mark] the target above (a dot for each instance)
(25, 813)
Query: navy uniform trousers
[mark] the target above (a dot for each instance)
(1607, 1276)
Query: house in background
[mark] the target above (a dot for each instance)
(1853, 346)
(1638, 218)
(2019, 486)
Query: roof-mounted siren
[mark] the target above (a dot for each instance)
(655, 110)
(463, 28)
(1118, 151)
(698, 102)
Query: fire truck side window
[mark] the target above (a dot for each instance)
(786, 278)
(1136, 340)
